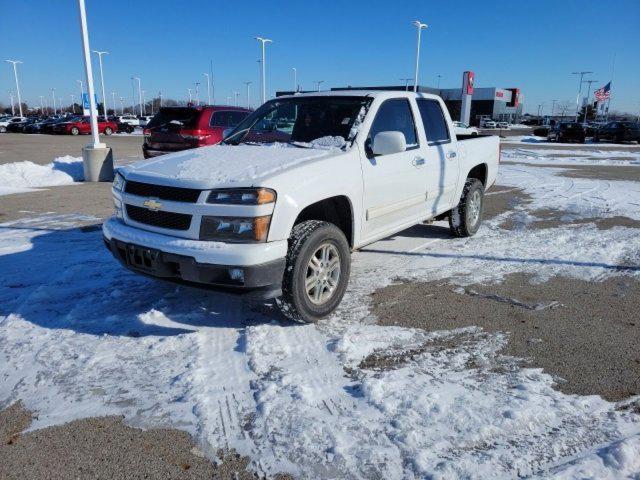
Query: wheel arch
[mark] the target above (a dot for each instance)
(336, 209)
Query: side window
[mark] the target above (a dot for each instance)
(435, 125)
(395, 115)
(237, 117)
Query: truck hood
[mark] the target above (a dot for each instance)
(222, 165)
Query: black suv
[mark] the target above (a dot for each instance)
(567, 132)
(618, 132)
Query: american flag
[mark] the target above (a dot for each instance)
(603, 93)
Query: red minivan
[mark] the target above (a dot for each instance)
(181, 128)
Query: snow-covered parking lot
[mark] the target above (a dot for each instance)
(81, 337)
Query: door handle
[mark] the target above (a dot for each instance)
(451, 155)
(417, 161)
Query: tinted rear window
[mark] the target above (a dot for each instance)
(227, 118)
(188, 117)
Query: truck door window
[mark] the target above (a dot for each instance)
(435, 126)
(395, 115)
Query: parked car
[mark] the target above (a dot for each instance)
(463, 129)
(541, 131)
(618, 132)
(6, 121)
(182, 128)
(503, 125)
(567, 132)
(125, 127)
(247, 218)
(490, 124)
(129, 119)
(18, 126)
(82, 125)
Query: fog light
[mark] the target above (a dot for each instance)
(236, 274)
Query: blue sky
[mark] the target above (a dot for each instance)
(533, 45)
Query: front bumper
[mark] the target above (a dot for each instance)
(250, 270)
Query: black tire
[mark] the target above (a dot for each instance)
(462, 220)
(108, 131)
(306, 238)
(3, 129)
(75, 131)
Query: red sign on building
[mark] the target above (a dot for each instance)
(467, 82)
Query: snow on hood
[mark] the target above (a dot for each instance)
(221, 165)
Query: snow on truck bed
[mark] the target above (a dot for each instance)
(80, 336)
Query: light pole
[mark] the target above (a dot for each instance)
(406, 83)
(584, 122)
(81, 93)
(248, 99)
(197, 84)
(540, 105)
(144, 103)
(15, 74)
(319, 82)
(582, 74)
(73, 103)
(104, 98)
(121, 105)
(439, 77)
(97, 159)
(160, 97)
(263, 79)
(420, 26)
(53, 99)
(206, 75)
(553, 107)
(13, 108)
(235, 97)
(113, 98)
(139, 93)
(295, 79)
(42, 104)
(189, 90)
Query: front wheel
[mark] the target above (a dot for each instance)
(108, 131)
(465, 219)
(316, 273)
(75, 131)
(3, 129)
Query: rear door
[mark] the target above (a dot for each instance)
(441, 156)
(394, 184)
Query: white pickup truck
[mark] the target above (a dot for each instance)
(276, 209)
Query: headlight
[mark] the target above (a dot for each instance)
(118, 182)
(242, 196)
(234, 229)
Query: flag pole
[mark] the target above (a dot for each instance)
(613, 69)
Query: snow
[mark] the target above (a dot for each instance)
(518, 139)
(81, 336)
(224, 165)
(18, 177)
(583, 156)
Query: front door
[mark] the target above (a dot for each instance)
(394, 184)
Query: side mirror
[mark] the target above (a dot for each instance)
(386, 143)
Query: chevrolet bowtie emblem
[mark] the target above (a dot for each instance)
(152, 204)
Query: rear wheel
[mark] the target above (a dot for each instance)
(465, 219)
(108, 131)
(317, 271)
(75, 131)
(3, 129)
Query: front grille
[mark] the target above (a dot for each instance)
(171, 220)
(175, 194)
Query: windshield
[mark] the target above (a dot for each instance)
(302, 121)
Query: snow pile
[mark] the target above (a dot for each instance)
(23, 176)
(583, 156)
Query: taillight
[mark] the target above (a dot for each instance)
(197, 135)
(146, 132)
